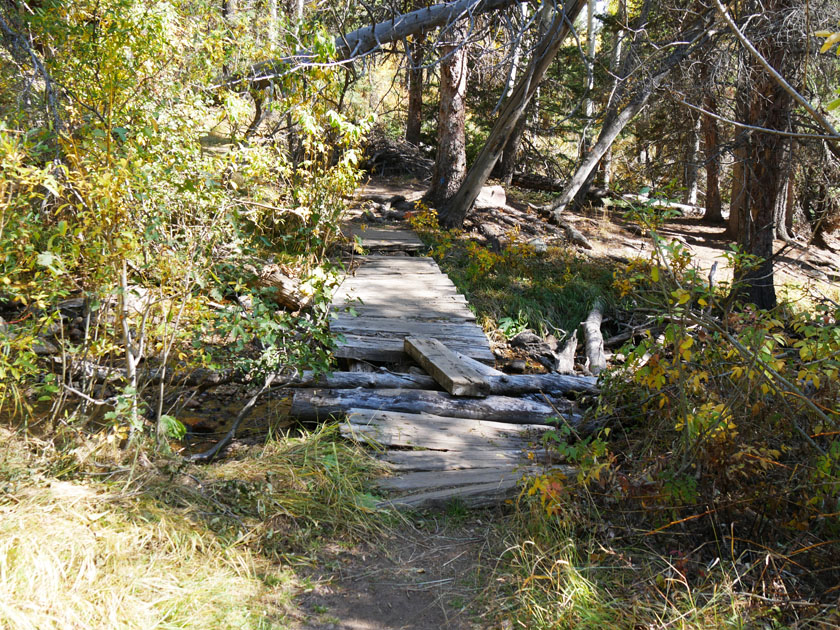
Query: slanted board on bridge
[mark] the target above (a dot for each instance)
(454, 375)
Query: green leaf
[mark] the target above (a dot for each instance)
(172, 427)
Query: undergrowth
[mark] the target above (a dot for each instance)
(709, 498)
(518, 287)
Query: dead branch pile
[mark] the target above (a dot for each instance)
(386, 156)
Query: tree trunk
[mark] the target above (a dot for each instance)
(507, 166)
(770, 108)
(508, 162)
(691, 165)
(414, 118)
(691, 41)
(615, 66)
(372, 38)
(589, 85)
(711, 151)
(453, 214)
(451, 160)
(783, 213)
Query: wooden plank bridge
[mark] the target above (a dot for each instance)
(472, 442)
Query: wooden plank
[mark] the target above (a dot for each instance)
(453, 478)
(383, 238)
(429, 280)
(423, 437)
(413, 264)
(429, 310)
(446, 424)
(390, 349)
(389, 428)
(396, 293)
(345, 323)
(453, 460)
(455, 376)
(474, 496)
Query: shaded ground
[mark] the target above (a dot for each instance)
(422, 576)
(612, 236)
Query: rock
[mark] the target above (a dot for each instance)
(517, 366)
(491, 197)
(42, 347)
(198, 424)
(525, 338)
(539, 245)
(542, 352)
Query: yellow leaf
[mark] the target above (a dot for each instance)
(654, 273)
(832, 39)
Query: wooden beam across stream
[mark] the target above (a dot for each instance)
(455, 376)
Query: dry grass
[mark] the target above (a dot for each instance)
(156, 547)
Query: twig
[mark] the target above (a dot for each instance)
(211, 453)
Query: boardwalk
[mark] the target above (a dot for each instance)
(471, 442)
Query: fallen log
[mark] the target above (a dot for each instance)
(284, 290)
(566, 356)
(500, 383)
(595, 358)
(383, 379)
(310, 405)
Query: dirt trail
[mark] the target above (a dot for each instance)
(426, 577)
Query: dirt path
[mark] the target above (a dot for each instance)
(426, 576)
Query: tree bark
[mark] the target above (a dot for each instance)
(510, 156)
(500, 383)
(711, 151)
(451, 159)
(595, 358)
(738, 198)
(414, 117)
(691, 166)
(769, 108)
(453, 214)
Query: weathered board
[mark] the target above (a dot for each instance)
(430, 460)
(390, 348)
(453, 478)
(345, 323)
(374, 264)
(381, 238)
(427, 310)
(390, 428)
(473, 496)
(454, 375)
